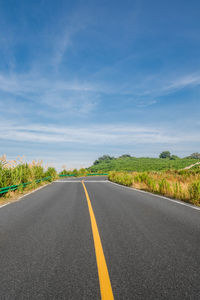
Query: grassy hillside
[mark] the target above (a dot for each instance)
(141, 164)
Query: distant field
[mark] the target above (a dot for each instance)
(142, 164)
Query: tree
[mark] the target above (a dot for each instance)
(195, 155)
(173, 157)
(125, 156)
(51, 172)
(103, 158)
(75, 172)
(82, 172)
(165, 154)
(65, 172)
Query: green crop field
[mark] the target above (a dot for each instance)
(141, 164)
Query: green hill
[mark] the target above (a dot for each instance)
(141, 164)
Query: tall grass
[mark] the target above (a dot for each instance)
(17, 171)
(183, 185)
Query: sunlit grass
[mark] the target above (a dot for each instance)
(14, 172)
(183, 184)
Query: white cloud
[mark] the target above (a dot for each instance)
(158, 85)
(69, 27)
(118, 134)
(82, 96)
(182, 82)
(69, 97)
(21, 84)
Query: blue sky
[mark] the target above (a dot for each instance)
(79, 79)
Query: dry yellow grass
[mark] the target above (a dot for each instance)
(182, 185)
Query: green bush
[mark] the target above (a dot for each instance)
(51, 172)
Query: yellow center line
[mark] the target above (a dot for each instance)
(104, 279)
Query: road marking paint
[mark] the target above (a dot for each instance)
(66, 181)
(4, 204)
(22, 197)
(96, 181)
(158, 196)
(104, 279)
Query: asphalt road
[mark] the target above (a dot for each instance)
(151, 245)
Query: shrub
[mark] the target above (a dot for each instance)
(51, 172)
(75, 172)
(65, 172)
(82, 172)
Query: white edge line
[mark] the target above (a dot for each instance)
(21, 198)
(65, 181)
(86, 181)
(158, 196)
(4, 204)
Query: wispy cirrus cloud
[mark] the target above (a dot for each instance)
(19, 84)
(69, 97)
(70, 27)
(116, 134)
(153, 85)
(191, 79)
(82, 97)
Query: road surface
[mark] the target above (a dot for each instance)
(49, 247)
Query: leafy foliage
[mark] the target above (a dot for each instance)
(165, 154)
(195, 155)
(75, 172)
(125, 156)
(51, 172)
(173, 157)
(104, 158)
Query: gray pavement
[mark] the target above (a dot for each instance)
(151, 245)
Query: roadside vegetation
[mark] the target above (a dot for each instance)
(79, 173)
(17, 172)
(167, 175)
(179, 184)
(74, 172)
